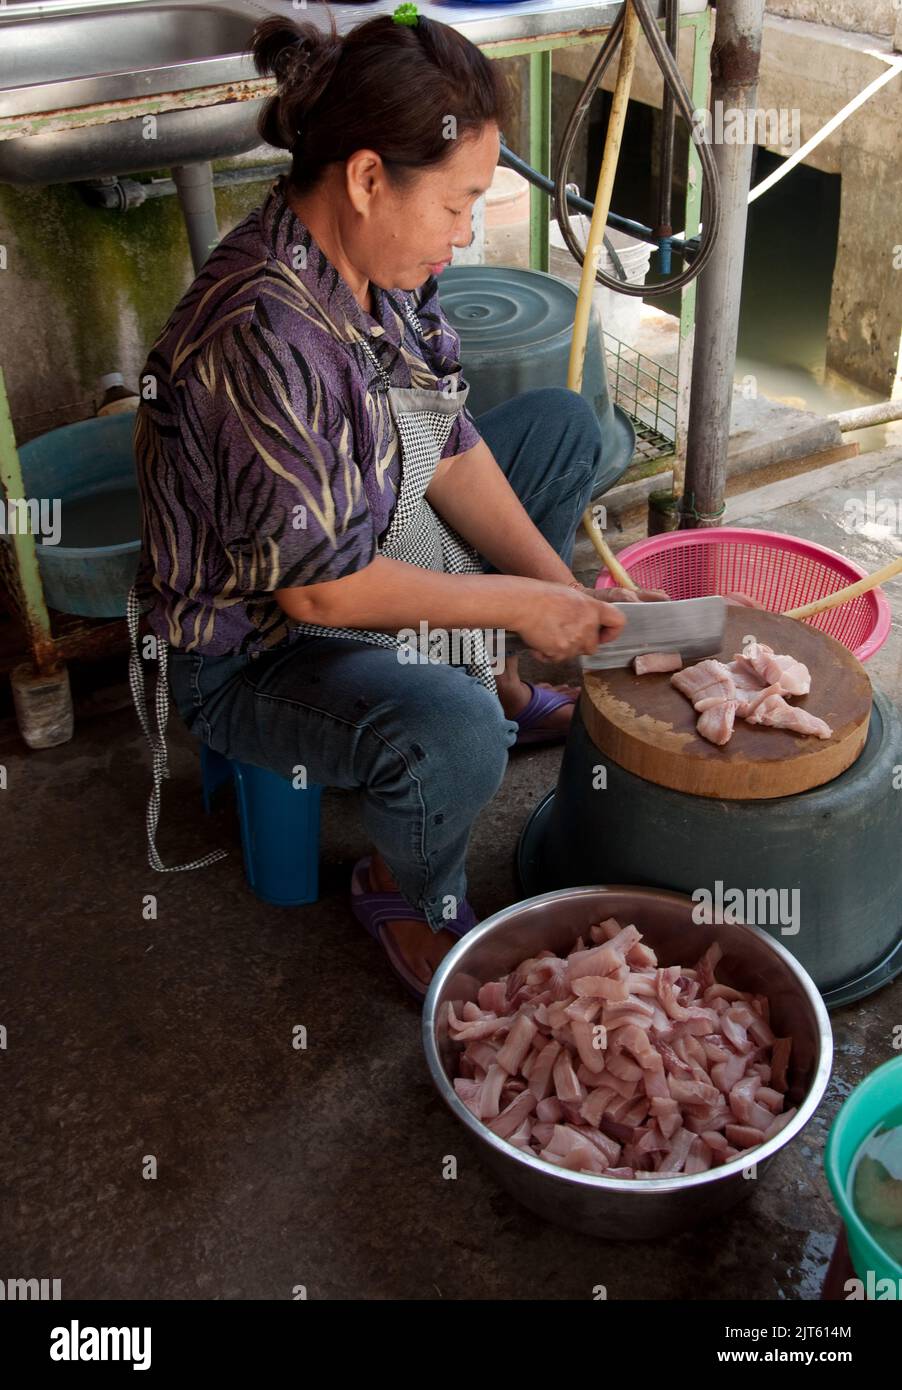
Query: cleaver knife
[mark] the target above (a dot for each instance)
(694, 627)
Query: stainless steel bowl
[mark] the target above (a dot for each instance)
(624, 1209)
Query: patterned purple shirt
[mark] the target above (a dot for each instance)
(268, 459)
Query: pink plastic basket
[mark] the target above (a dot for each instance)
(778, 571)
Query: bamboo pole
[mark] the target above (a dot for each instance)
(620, 102)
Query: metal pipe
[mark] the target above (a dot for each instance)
(735, 62)
(223, 178)
(664, 228)
(863, 416)
(194, 183)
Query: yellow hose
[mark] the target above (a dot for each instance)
(619, 104)
(861, 586)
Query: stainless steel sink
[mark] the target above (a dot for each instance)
(60, 56)
(58, 60)
(159, 35)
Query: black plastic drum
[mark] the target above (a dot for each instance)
(515, 328)
(821, 871)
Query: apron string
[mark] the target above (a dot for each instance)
(155, 738)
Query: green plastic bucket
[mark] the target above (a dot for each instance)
(870, 1104)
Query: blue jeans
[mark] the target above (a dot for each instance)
(425, 745)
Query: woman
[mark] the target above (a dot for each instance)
(313, 482)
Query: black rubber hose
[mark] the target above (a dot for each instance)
(710, 181)
(672, 36)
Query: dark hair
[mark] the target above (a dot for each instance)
(383, 86)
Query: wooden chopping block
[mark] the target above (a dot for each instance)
(645, 725)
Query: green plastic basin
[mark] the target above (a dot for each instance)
(870, 1104)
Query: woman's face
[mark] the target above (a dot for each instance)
(399, 238)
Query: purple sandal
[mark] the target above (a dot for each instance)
(375, 909)
(542, 702)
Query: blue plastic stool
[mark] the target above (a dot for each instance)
(279, 828)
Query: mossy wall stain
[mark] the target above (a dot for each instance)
(87, 290)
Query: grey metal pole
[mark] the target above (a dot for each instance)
(194, 184)
(864, 416)
(735, 60)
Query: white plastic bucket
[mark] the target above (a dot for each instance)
(620, 313)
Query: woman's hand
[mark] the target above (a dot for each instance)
(628, 595)
(743, 601)
(656, 595)
(561, 622)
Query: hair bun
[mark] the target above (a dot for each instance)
(278, 44)
(290, 63)
(302, 59)
(316, 64)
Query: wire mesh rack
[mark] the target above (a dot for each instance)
(647, 391)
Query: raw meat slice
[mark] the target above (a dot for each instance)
(567, 1085)
(480, 1028)
(667, 1114)
(775, 711)
(591, 1056)
(699, 1160)
(750, 702)
(745, 677)
(521, 1137)
(510, 1120)
(583, 1010)
(792, 676)
(706, 680)
(491, 997)
(779, 1122)
(715, 723)
(518, 1043)
(657, 661)
(679, 1151)
(469, 1092)
(744, 1136)
(540, 1077)
(490, 1095)
(779, 1063)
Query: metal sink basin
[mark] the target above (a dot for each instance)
(49, 61)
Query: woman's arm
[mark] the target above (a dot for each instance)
(555, 620)
(471, 493)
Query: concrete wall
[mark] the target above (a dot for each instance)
(803, 66)
(86, 291)
(863, 16)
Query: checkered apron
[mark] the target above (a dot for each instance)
(416, 534)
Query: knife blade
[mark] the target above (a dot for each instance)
(694, 627)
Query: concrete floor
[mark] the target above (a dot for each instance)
(172, 1037)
